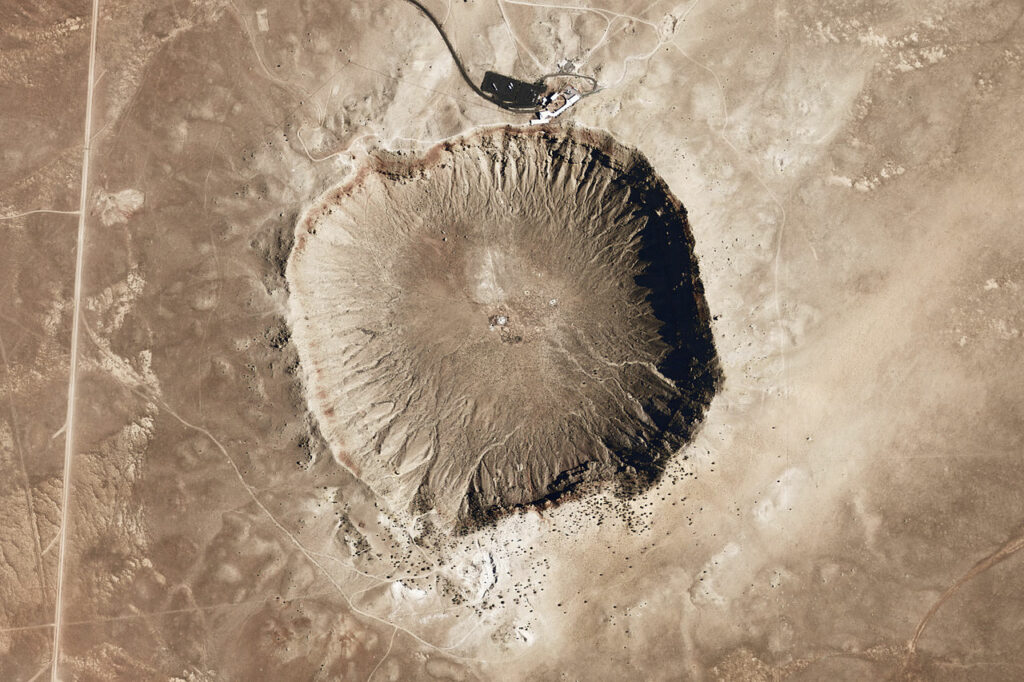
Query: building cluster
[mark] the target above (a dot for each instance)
(561, 101)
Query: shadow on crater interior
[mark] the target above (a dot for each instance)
(513, 317)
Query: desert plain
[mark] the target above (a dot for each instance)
(184, 497)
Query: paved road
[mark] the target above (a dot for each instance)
(462, 67)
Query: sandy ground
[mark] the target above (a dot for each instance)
(849, 510)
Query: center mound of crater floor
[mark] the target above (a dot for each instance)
(506, 319)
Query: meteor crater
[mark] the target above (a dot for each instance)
(514, 316)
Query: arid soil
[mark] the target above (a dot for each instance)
(175, 501)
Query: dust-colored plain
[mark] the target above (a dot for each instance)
(317, 365)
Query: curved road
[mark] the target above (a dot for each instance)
(462, 68)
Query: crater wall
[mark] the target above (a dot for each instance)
(506, 319)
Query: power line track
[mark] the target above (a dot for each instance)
(69, 443)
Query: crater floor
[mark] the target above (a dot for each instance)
(491, 325)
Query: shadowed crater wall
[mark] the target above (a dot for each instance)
(491, 325)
